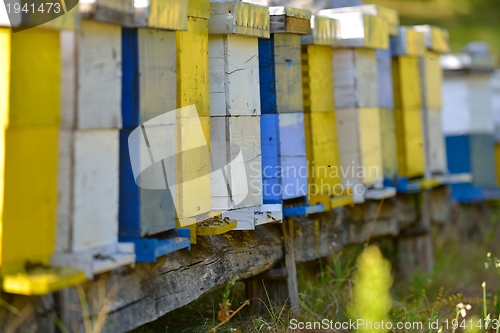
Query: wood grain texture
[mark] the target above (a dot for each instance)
(467, 104)
(388, 137)
(355, 77)
(5, 54)
(322, 153)
(30, 196)
(144, 211)
(35, 58)
(410, 142)
(360, 146)
(233, 61)
(170, 14)
(193, 194)
(193, 197)
(192, 67)
(92, 76)
(317, 78)
(87, 211)
(149, 291)
(287, 62)
(145, 292)
(149, 82)
(406, 82)
(236, 179)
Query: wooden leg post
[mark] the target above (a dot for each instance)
(415, 246)
(277, 287)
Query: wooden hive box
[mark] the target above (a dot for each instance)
(319, 118)
(408, 119)
(236, 162)
(30, 128)
(474, 154)
(431, 76)
(356, 83)
(468, 118)
(280, 65)
(149, 65)
(88, 174)
(387, 122)
(389, 143)
(111, 11)
(168, 15)
(467, 104)
(193, 195)
(284, 163)
(233, 57)
(359, 29)
(360, 148)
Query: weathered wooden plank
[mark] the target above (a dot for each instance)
(280, 74)
(236, 162)
(91, 78)
(150, 290)
(149, 74)
(193, 195)
(233, 59)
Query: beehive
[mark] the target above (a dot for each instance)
(193, 197)
(407, 102)
(88, 173)
(29, 131)
(468, 120)
(431, 75)
(233, 58)
(320, 123)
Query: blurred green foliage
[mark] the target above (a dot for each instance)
(466, 20)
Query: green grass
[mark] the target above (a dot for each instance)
(327, 287)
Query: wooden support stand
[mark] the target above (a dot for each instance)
(277, 287)
(415, 247)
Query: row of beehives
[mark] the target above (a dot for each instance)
(118, 109)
